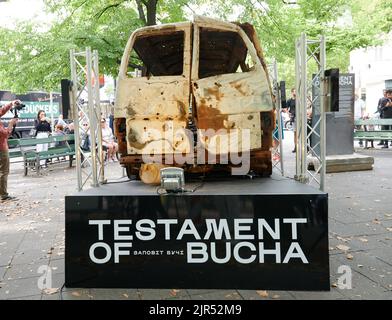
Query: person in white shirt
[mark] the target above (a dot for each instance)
(108, 141)
(359, 108)
(359, 112)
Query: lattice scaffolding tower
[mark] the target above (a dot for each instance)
(87, 116)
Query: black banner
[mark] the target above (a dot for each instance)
(261, 241)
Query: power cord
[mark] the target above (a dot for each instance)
(113, 182)
(61, 291)
(162, 191)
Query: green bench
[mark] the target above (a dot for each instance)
(26, 148)
(366, 133)
(14, 149)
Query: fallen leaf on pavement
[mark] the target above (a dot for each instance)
(334, 285)
(342, 239)
(350, 257)
(389, 229)
(342, 247)
(363, 240)
(375, 221)
(262, 293)
(75, 294)
(276, 296)
(51, 290)
(125, 295)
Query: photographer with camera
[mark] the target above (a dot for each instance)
(4, 157)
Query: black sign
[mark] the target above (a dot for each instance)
(339, 125)
(213, 240)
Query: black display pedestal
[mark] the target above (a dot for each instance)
(269, 233)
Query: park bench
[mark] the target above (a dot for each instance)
(14, 149)
(372, 133)
(26, 148)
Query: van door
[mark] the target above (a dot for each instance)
(230, 86)
(153, 89)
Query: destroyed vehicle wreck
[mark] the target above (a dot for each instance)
(194, 95)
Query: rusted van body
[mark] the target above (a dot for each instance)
(190, 87)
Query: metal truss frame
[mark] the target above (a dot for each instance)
(307, 50)
(277, 148)
(87, 116)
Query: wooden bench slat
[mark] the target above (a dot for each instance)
(370, 133)
(373, 122)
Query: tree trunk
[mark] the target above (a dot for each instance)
(152, 12)
(149, 18)
(142, 16)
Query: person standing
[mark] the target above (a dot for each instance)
(359, 112)
(379, 111)
(290, 105)
(43, 129)
(4, 156)
(386, 109)
(111, 121)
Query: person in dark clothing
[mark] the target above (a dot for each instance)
(290, 107)
(111, 121)
(379, 111)
(43, 130)
(386, 109)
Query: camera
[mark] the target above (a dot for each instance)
(17, 108)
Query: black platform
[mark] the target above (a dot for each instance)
(212, 238)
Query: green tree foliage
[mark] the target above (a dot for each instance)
(36, 56)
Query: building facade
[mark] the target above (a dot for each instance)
(373, 72)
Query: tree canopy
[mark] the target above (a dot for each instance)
(35, 56)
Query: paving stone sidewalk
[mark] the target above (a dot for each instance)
(360, 236)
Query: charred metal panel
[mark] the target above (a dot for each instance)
(157, 136)
(166, 96)
(228, 132)
(234, 93)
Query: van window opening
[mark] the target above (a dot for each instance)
(157, 55)
(222, 52)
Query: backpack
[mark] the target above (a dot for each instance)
(85, 143)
